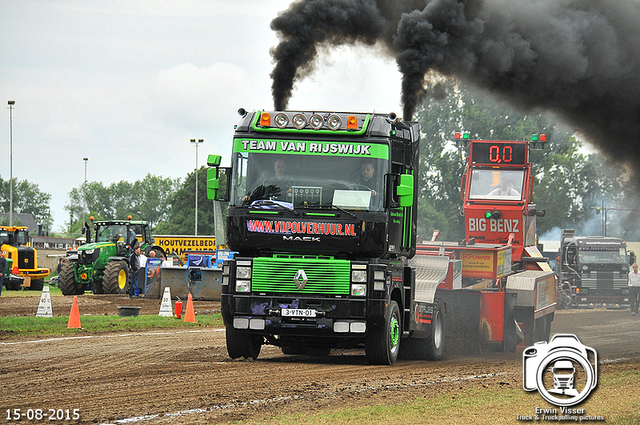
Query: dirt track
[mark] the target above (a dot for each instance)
(186, 377)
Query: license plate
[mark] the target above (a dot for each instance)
(298, 312)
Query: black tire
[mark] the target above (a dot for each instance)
(115, 279)
(382, 342)
(242, 344)
(13, 284)
(434, 344)
(432, 347)
(36, 285)
(97, 288)
(68, 284)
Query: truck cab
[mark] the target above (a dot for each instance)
(497, 193)
(322, 215)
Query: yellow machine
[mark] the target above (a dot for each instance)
(22, 260)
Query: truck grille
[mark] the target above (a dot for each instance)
(605, 280)
(324, 276)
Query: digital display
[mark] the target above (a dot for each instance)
(494, 153)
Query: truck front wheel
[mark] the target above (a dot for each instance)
(68, 280)
(116, 278)
(382, 342)
(242, 344)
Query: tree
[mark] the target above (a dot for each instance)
(147, 199)
(182, 216)
(27, 199)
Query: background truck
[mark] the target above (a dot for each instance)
(327, 249)
(22, 260)
(102, 265)
(593, 269)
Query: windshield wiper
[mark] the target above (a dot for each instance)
(269, 203)
(349, 213)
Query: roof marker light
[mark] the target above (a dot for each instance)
(534, 137)
(316, 121)
(265, 119)
(466, 135)
(543, 137)
(457, 135)
(299, 121)
(281, 119)
(334, 122)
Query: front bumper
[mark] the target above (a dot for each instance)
(334, 317)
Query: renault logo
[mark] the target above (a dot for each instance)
(300, 279)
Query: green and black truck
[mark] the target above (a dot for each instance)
(322, 213)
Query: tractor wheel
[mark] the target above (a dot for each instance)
(13, 284)
(382, 342)
(115, 279)
(96, 287)
(242, 344)
(68, 284)
(36, 285)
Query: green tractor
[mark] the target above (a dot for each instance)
(102, 265)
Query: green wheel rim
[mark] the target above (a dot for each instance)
(394, 333)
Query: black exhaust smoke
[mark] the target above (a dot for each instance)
(577, 59)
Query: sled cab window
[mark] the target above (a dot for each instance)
(496, 184)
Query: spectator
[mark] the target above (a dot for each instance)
(3, 270)
(634, 288)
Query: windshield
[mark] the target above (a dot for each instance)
(496, 184)
(609, 256)
(309, 181)
(111, 233)
(22, 237)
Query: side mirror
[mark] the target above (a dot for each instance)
(405, 190)
(214, 160)
(213, 183)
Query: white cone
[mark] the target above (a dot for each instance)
(44, 308)
(165, 308)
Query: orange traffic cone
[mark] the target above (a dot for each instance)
(189, 315)
(74, 317)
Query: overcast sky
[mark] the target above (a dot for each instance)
(128, 84)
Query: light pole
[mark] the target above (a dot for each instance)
(196, 142)
(84, 192)
(11, 103)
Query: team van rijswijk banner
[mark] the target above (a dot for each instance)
(182, 244)
(372, 150)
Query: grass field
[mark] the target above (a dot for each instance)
(32, 326)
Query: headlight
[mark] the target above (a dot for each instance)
(243, 273)
(316, 121)
(281, 120)
(243, 286)
(585, 267)
(358, 276)
(299, 121)
(359, 289)
(334, 122)
(89, 251)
